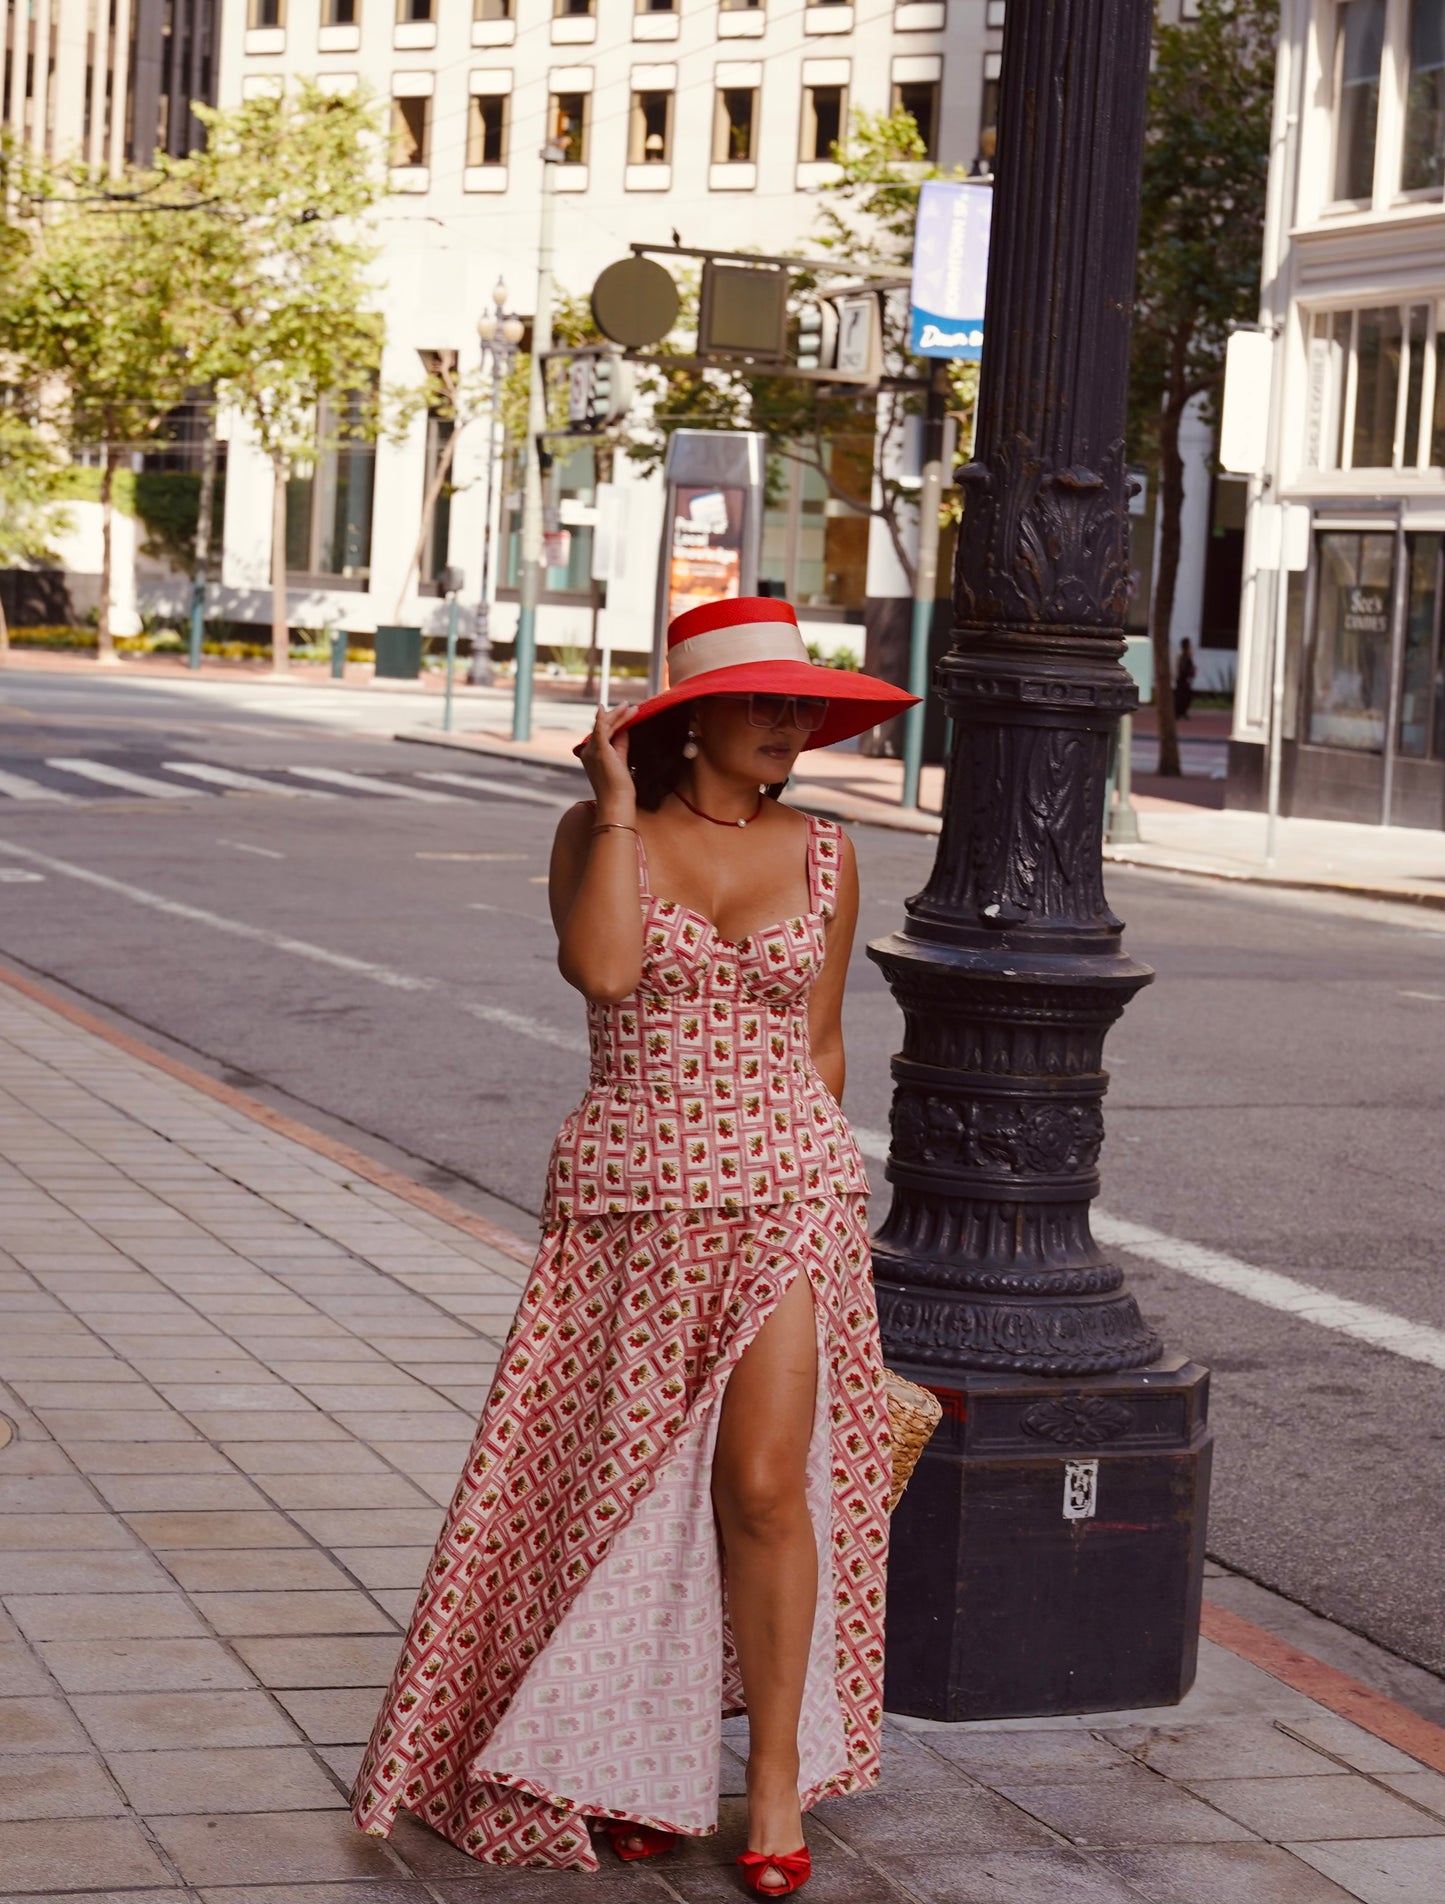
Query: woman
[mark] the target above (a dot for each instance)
(674, 1507)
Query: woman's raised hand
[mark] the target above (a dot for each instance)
(604, 755)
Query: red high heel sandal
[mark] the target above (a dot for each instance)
(794, 1867)
(651, 1842)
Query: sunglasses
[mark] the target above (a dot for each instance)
(805, 711)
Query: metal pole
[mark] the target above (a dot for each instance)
(530, 579)
(925, 578)
(203, 543)
(1123, 820)
(1276, 704)
(1399, 609)
(479, 672)
(1048, 1556)
(451, 658)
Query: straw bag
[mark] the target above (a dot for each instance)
(913, 1414)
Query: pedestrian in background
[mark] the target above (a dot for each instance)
(675, 1506)
(1184, 672)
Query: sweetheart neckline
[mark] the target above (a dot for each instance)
(736, 945)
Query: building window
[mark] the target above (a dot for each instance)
(493, 9)
(995, 14)
(1423, 165)
(815, 544)
(264, 13)
(341, 13)
(574, 9)
(1349, 681)
(649, 135)
(824, 111)
(434, 556)
(657, 6)
(988, 111)
(919, 99)
(1421, 730)
(410, 131)
(740, 6)
(1376, 396)
(415, 12)
(487, 129)
(569, 118)
(734, 125)
(328, 503)
(1359, 46)
(574, 480)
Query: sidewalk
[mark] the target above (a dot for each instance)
(1373, 862)
(242, 1364)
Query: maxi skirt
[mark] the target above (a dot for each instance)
(569, 1656)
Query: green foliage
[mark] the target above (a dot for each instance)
(1201, 226)
(31, 477)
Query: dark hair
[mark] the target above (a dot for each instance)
(654, 753)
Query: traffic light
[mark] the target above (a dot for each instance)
(611, 394)
(817, 334)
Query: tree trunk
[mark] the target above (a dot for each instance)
(104, 639)
(1171, 510)
(280, 627)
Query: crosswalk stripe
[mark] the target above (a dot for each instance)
(241, 782)
(496, 786)
(109, 776)
(17, 787)
(366, 783)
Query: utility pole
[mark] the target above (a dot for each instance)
(530, 580)
(925, 579)
(1048, 1555)
(500, 331)
(203, 540)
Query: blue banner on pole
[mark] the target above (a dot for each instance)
(950, 269)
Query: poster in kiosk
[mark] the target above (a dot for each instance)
(712, 527)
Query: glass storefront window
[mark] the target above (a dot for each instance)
(328, 502)
(1350, 672)
(1359, 44)
(1417, 670)
(1422, 165)
(573, 479)
(1377, 383)
(815, 543)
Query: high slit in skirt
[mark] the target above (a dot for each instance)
(569, 1656)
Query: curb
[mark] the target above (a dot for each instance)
(1395, 895)
(1419, 1738)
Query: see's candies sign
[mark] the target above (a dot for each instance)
(950, 270)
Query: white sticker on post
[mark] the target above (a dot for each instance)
(1081, 1490)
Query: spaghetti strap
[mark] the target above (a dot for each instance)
(823, 838)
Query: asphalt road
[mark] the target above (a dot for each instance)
(383, 966)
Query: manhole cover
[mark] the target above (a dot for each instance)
(7, 1431)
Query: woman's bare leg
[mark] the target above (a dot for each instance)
(759, 1490)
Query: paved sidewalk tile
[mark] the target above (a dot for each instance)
(1382, 1871)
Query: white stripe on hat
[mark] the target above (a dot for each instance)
(734, 647)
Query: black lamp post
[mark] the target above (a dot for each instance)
(1048, 1556)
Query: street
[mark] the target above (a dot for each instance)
(367, 947)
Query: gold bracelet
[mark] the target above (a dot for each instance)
(612, 826)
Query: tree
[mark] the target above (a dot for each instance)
(867, 220)
(276, 310)
(1206, 162)
(89, 316)
(30, 516)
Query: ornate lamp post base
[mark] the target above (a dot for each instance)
(1048, 1556)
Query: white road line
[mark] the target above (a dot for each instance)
(122, 777)
(244, 846)
(1430, 998)
(366, 783)
(242, 782)
(1412, 1341)
(17, 787)
(502, 787)
(1415, 1341)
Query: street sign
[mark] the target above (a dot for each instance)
(743, 312)
(635, 302)
(581, 374)
(859, 350)
(950, 269)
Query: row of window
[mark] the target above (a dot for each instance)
(735, 123)
(1389, 51)
(1376, 396)
(266, 14)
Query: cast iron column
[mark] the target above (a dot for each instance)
(1049, 1553)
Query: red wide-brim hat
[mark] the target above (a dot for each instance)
(751, 644)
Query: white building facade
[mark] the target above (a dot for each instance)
(712, 121)
(1354, 290)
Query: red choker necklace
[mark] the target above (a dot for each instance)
(716, 822)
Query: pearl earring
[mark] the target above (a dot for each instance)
(690, 748)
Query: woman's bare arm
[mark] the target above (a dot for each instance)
(593, 884)
(825, 1004)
